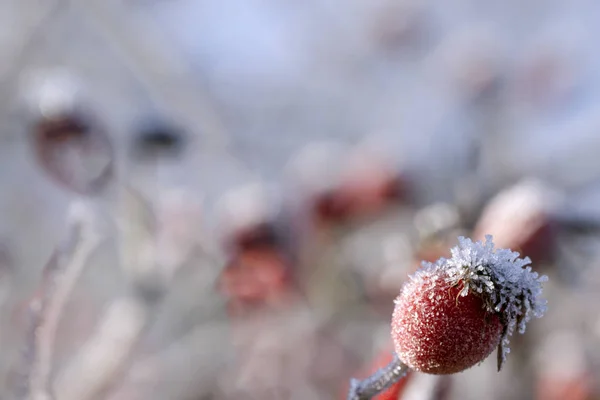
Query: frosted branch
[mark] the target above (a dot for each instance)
(103, 360)
(379, 381)
(59, 278)
(106, 353)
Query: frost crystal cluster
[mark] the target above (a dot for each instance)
(504, 281)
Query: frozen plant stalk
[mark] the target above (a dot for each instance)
(453, 313)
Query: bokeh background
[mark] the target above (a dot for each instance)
(284, 166)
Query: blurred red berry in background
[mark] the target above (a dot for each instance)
(255, 278)
(74, 151)
(518, 219)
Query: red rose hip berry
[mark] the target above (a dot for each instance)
(453, 313)
(437, 331)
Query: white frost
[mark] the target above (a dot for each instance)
(506, 281)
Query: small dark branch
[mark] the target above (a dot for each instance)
(577, 224)
(158, 139)
(379, 381)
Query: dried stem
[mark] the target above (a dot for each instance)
(180, 361)
(106, 353)
(379, 381)
(99, 366)
(59, 278)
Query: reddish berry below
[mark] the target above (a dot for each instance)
(436, 331)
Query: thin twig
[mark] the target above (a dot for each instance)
(379, 381)
(94, 368)
(181, 361)
(158, 66)
(106, 354)
(59, 278)
(165, 73)
(102, 362)
(64, 287)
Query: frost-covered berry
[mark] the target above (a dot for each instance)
(70, 143)
(453, 313)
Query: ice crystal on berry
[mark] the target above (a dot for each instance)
(501, 278)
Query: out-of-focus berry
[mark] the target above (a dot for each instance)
(314, 176)
(369, 183)
(518, 219)
(563, 369)
(69, 143)
(255, 278)
(247, 218)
